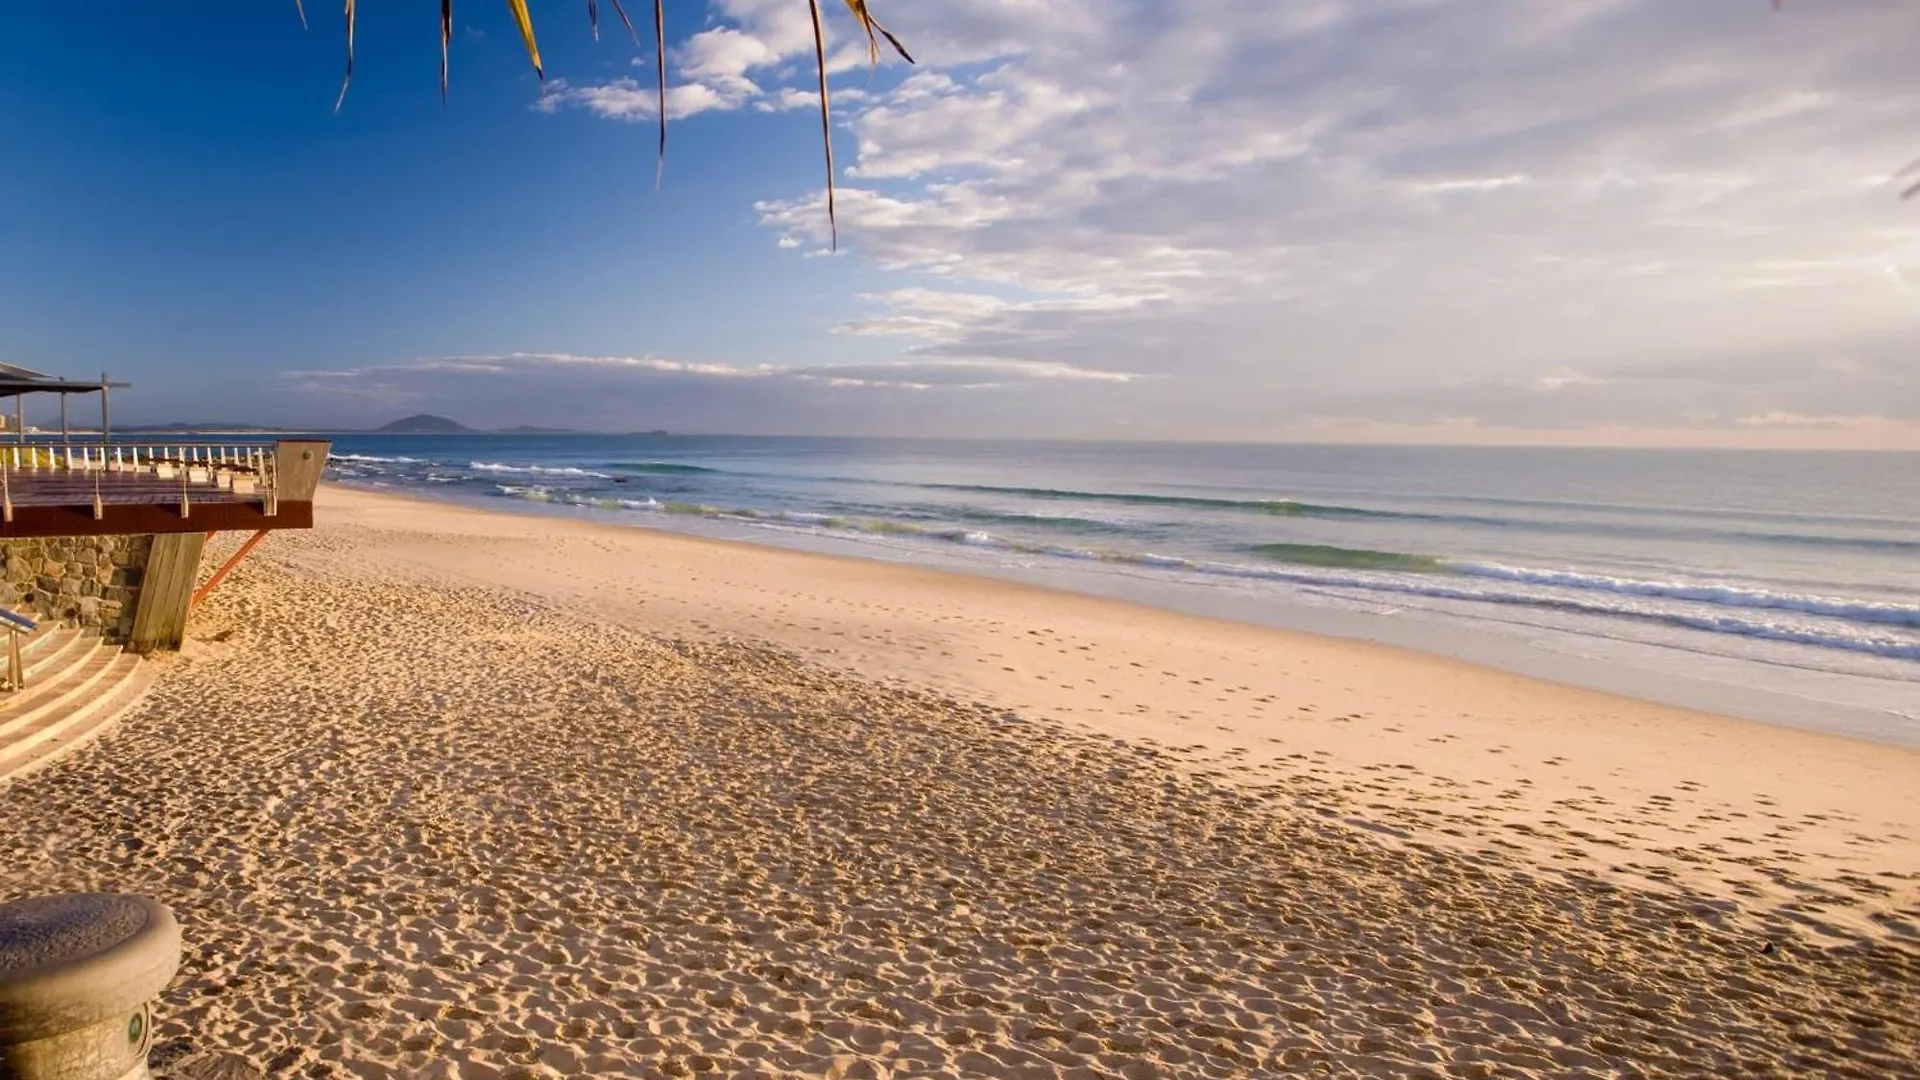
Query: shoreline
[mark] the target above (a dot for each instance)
(1656, 793)
(1724, 697)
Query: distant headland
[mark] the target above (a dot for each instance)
(429, 424)
(417, 424)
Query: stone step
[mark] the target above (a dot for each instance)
(55, 693)
(45, 657)
(51, 651)
(90, 708)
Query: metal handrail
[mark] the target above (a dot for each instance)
(16, 624)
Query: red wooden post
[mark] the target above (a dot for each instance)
(220, 574)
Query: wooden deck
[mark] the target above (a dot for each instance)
(202, 487)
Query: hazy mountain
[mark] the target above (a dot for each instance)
(424, 424)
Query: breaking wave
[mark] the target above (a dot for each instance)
(660, 468)
(1352, 558)
(536, 470)
(1722, 595)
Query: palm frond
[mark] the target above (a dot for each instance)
(871, 25)
(525, 22)
(826, 121)
(446, 42)
(348, 80)
(620, 9)
(660, 66)
(523, 19)
(660, 62)
(1911, 189)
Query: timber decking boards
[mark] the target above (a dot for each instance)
(61, 488)
(77, 686)
(53, 502)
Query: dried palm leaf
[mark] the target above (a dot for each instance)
(348, 80)
(871, 25)
(660, 65)
(525, 21)
(826, 121)
(660, 62)
(1912, 189)
(446, 41)
(622, 11)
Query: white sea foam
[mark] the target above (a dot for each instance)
(376, 459)
(536, 470)
(1168, 561)
(1427, 585)
(1882, 627)
(535, 493)
(1729, 596)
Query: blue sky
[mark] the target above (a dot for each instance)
(1447, 220)
(180, 205)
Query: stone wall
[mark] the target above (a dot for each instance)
(84, 581)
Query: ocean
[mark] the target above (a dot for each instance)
(1781, 586)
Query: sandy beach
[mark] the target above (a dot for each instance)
(444, 793)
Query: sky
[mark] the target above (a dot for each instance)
(1613, 222)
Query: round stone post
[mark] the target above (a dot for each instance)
(78, 975)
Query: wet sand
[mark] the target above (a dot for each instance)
(444, 793)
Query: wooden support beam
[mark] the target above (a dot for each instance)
(124, 519)
(297, 465)
(226, 568)
(160, 619)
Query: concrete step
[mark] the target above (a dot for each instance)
(55, 693)
(91, 706)
(51, 651)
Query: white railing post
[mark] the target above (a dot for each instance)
(78, 975)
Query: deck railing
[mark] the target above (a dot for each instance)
(229, 465)
(37, 471)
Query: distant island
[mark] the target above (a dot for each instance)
(417, 424)
(531, 429)
(197, 429)
(424, 424)
(429, 424)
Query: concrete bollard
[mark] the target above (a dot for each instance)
(78, 975)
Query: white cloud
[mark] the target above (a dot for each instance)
(956, 373)
(1410, 210)
(1795, 420)
(634, 102)
(623, 388)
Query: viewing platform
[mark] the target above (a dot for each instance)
(104, 531)
(89, 488)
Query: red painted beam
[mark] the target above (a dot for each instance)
(226, 568)
(133, 519)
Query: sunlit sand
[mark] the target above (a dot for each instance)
(443, 793)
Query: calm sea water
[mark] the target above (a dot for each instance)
(1790, 574)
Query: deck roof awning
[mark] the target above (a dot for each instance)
(16, 380)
